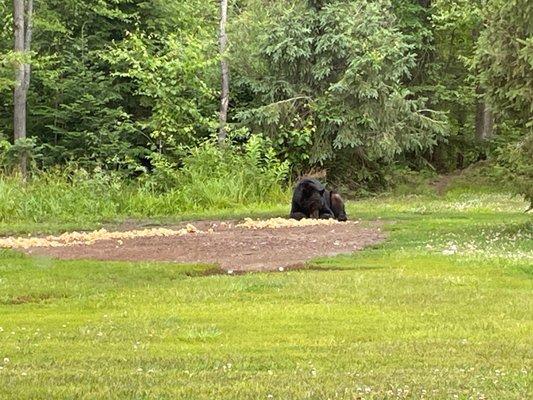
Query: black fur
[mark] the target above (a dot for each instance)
(311, 200)
(336, 204)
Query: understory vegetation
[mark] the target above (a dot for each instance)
(442, 309)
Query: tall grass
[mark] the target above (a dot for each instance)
(209, 180)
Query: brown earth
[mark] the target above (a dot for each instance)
(232, 248)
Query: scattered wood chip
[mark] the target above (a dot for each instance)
(273, 223)
(79, 238)
(88, 238)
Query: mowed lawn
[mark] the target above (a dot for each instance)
(442, 310)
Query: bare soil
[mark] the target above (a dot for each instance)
(232, 248)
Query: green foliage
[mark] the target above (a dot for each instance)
(219, 178)
(515, 166)
(6, 71)
(335, 73)
(210, 179)
(75, 108)
(6, 54)
(86, 124)
(169, 84)
(444, 34)
(104, 89)
(10, 154)
(72, 196)
(361, 89)
(504, 56)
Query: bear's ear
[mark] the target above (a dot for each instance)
(336, 197)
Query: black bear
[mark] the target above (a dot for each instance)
(311, 200)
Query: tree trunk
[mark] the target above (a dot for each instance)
(19, 112)
(22, 19)
(484, 119)
(488, 122)
(224, 94)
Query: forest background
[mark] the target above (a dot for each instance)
(125, 95)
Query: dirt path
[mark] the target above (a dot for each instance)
(442, 182)
(231, 247)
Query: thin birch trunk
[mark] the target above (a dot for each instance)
(22, 19)
(224, 95)
(484, 121)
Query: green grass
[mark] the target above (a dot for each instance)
(442, 310)
(52, 202)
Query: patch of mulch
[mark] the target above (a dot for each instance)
(231, 247)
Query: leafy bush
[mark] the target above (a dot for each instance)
(215, 178)
(10, 153)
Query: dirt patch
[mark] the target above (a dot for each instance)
(231, 247)
(441, 184)
(33, 298)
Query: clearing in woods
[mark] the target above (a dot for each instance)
(441, 309)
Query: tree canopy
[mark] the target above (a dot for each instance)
(353, 87)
